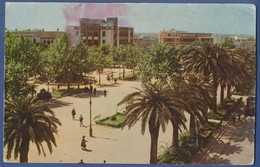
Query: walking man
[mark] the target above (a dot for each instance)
(105, 93)
(73, 113)
(81, 120)
(83, 143)
(95, 91)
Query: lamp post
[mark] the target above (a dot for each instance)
(90, 112)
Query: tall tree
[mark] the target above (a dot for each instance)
(153, 105)
(28, 120)
(21, 62)
(58, 60)
(102, 57)
(206, 59)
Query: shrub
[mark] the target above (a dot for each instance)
(113, 118)
(114, 121)
(44, 95)
(188, 141)
(173, 156)
(217, 116)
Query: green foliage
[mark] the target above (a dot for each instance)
(228, 42)
(161, 62)
(21, 62)
(28, 120)
(217, 116)
(44, 95)
(188, 141)
(173, 156)
(115, 120)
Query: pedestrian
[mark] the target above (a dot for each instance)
(81, 161)
(108, 77)
(105, 93)
(81, 120)
(104, 161)
(73, 113)
(115, 80)
(83, 143)
(95, 91)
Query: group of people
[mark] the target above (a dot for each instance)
(73, 113)
(110, 76)
(83, 141)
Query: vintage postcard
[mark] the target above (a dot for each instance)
(129, 83)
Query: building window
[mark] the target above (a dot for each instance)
(103, 41)
(95, 33)
(103, 33)
(34, 40)
(77, 33)
(89, 34)
(95, 42)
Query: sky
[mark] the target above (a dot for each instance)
(144, 17)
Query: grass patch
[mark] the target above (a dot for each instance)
(114, 121)
(65, 92)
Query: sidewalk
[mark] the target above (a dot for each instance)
(232, 144)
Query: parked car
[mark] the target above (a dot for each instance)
(250, 106)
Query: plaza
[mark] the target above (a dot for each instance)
(122, 146)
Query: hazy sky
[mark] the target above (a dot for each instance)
(144, 17)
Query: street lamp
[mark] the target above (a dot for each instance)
(90, 112)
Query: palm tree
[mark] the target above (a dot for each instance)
(207, 59)
(154, 105)
(28, 120)
(197, 95)
(246, 65)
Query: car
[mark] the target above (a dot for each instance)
(250, 106)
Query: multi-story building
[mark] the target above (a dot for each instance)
(178, 38)
(38, 36)
(73, 35)
(99, 31)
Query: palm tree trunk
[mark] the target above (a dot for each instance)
(154, 133)
(175, 134)
(192, 123)
(222, 96)
(24, 149)
(228, 91)
(68, 85)
(215, 87)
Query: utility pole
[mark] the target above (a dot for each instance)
(90, 112)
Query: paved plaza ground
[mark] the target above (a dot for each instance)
(109, 144)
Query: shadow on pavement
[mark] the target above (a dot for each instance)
(221, 147)
(104, 138)
(85, 149)
(246, 130)
(99, 93)
(216, 160)
(57, 103)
